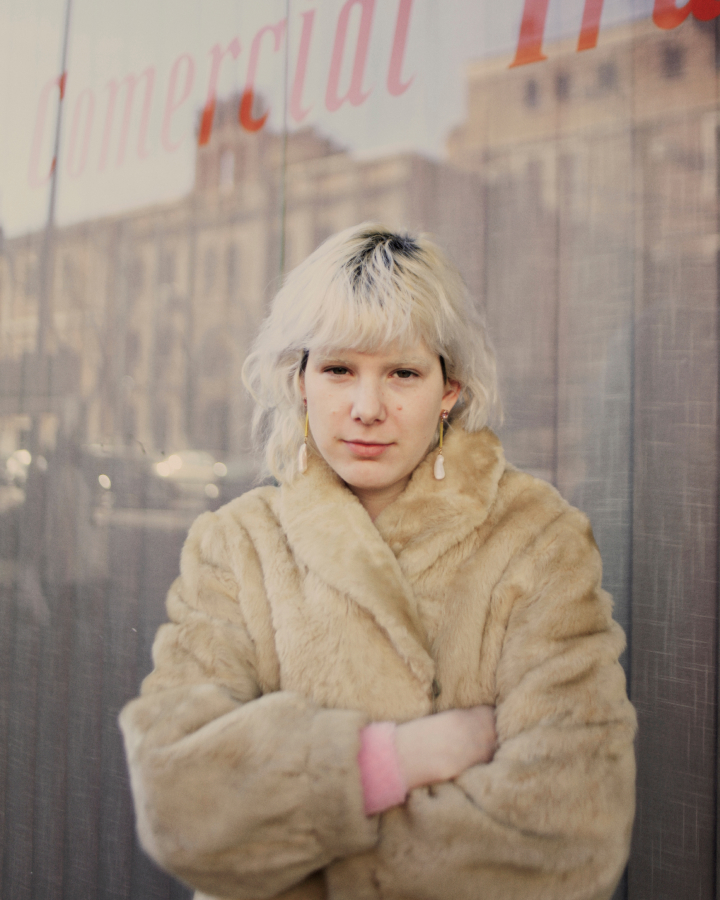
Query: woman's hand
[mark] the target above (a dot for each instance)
(441, 747)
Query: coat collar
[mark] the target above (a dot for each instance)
(432, 516)
(330, 532)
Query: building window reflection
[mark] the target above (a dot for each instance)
(136, 275)
(215, 427)
(167, 267)
(607, 76)
(532, 93)
(31, 278)
(129, 422)
(215, 353)
(562, 86)
(164, 342)
(72, 282)
(673, 61)
(132, 349)
(227, 170)
(160, 425)
(209, 267)
(231, 270)
(202, 173)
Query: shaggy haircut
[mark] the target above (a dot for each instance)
(363, 289)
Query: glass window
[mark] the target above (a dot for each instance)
(162, 168)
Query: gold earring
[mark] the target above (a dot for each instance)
(302, 455)
(439, 467)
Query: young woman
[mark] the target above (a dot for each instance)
(394, 675)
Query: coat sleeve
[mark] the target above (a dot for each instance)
(239, 792)
(550, 817)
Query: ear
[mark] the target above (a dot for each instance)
(301, 382)
(453, 389)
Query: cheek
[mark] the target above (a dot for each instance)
(326, 416)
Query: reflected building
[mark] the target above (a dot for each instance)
(600, 184)
(600, 210)
(580, 199)
(153, 311)
(599, 174)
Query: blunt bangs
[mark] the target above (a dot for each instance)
(371, 315)
(363, 289)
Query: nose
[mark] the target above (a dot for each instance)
(368, 403)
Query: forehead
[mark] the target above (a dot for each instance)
(393, 351)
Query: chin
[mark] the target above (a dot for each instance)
(371, 481)
(366, 484)
(360, 475)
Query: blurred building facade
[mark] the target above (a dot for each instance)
(580, 200)
(601, 241)
(152, 312)
(583, 159)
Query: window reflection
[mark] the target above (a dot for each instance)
(579, 196)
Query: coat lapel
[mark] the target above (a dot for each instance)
(375, 564)
(430, 517)
(331, 533)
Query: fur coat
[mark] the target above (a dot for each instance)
(296, 620)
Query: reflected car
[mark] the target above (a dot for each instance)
(13, 477)
(15, 467)
(123, 477)
(193, 476)
(240, 475)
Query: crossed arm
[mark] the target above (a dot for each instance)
(245, 795)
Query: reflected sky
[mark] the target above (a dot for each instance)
(102, 174)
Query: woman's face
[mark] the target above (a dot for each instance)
(373, 415)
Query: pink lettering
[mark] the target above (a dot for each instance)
(296, 107)
(129, 83)
(248, 122)
(35, 179)
(173, 102)
(666, 15)
(394, 85)
(355, 93)
(76, 161)
(208, 114)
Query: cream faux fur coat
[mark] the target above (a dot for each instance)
(296, 620)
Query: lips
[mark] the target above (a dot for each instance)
(364, 450)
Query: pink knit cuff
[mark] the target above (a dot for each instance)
(381, 774)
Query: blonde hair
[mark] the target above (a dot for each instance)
(362, 289)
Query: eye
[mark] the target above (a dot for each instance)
(405, 374)
(336, 370)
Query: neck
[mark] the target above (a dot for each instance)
(375, 501)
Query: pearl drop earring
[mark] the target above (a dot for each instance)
(439, 467)
(302, 455)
